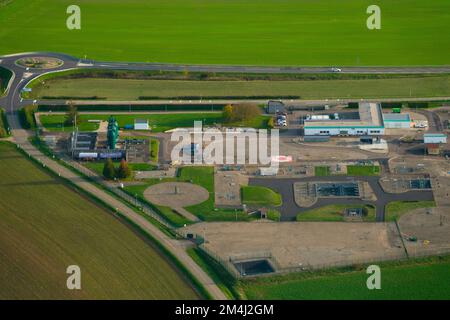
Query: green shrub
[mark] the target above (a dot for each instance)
(109, 171)
(124, 171)
(3, 124)
(26, 116)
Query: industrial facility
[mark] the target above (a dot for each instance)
(368, 121)
(88, 146)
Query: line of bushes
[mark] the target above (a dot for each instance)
(158, 107)
(72, 98)
(26, 117)
(4, 127)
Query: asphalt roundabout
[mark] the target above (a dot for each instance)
(176, 194)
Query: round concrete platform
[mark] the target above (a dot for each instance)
(176, 194)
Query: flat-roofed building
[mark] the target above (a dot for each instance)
(141, 124)
(435, 138)
(396, 120)
(369, 122)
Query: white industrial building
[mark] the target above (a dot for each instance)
(396, 120)
(370, 122)
(141, 124)
(438, 138)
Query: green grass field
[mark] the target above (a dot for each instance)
(127, 89)
(158, 122)
(395, 209)
(356, 170)
(352, 170)
(334, 213)
(39, 238)
(410, 280)
(256, 195)
(322, 171)
(263, 32)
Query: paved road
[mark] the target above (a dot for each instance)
(20, 136)
(290, 209)
(434, 122)
(228, 68)
(70, 62)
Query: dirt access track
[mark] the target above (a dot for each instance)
(308, 244)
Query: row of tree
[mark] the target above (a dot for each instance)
(110, 171)
(240, 112)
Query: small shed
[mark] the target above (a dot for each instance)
(434, 138)
(268, 171)
(141, 124)
(274, 106)
(433, 149)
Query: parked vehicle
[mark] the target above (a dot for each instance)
(334, 69)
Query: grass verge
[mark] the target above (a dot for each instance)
(395, 209)
(335, 213)
(256, 195)
(224, 280)
(356, 170)
(128, 89)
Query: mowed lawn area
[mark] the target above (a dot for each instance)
(423, 279)
(395, 209)
(352, 170)
(257, 32)
(127, 89)
(335, 213)
(158, 122)
(256, 195)
(45, 227)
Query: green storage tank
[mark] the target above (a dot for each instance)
(113, 132)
